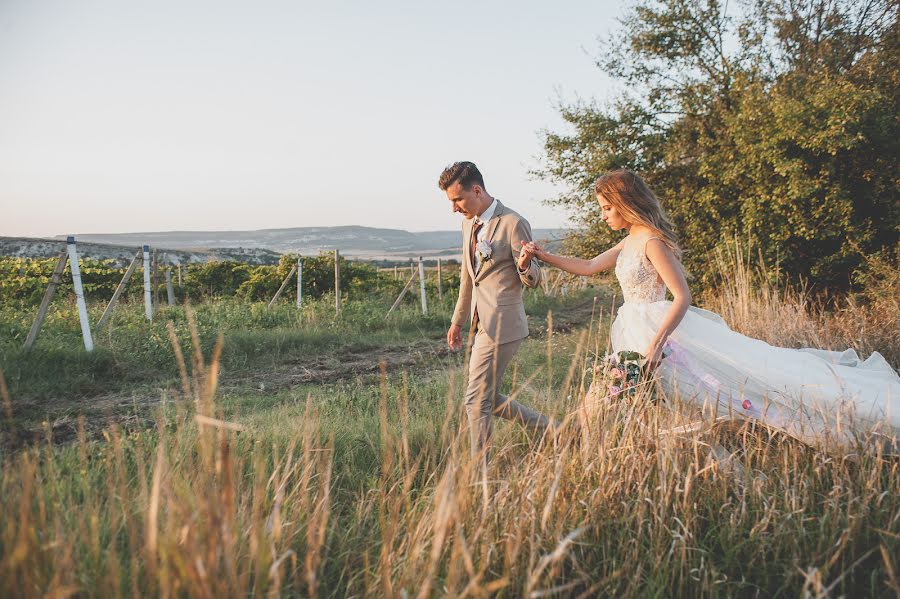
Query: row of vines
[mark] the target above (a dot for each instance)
(24, 280)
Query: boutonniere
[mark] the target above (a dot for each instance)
(483, 250)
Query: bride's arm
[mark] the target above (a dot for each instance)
(672, 274)
(577, 266)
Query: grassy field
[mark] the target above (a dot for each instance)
(306, 455)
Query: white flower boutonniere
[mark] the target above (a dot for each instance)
(483, 250)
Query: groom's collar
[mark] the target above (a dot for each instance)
(487, 214)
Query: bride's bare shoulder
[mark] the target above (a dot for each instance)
(639, 239)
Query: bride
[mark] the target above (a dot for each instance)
(814, 395)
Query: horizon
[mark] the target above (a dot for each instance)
(115, 233)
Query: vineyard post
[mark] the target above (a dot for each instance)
(169, 290)
(284, 283)
(179, 275)
(396, 273)
(337, 282)
(422, 285)
(406, 287)
(48, 296)
(440, 282)
(148, 301)
(155, 282)
(121, 287)
(299, 282)
(79, 294)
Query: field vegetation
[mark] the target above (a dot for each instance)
(240, 478)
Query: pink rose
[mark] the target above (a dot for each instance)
(746, 404)
(616, 373)
(614, 390)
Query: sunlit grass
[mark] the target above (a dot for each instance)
(366, 488)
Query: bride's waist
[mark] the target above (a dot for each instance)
(641, 302)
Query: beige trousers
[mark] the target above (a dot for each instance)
(487, 364)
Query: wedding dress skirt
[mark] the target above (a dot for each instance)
(820, 397)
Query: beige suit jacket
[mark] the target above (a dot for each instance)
(496, 290)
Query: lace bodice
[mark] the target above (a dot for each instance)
(639, 280)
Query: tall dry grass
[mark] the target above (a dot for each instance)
(204, 507)
(761, 301)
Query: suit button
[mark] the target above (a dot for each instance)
(476, 284)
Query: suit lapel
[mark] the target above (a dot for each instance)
(491, 228)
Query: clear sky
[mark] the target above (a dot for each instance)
(163, 115)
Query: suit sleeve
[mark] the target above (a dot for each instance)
(464, 301)
(530, 277)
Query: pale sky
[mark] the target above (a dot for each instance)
(162, 115)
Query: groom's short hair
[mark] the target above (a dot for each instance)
(465, 173)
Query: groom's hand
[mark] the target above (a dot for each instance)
(454, 337)
(525, 255)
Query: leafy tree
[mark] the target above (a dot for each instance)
(780, 121)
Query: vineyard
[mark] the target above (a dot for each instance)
(23, 280)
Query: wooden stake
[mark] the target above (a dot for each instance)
(79, 295)
(283, 285)
(422, 285)
(406, 287)
(155, 283)
(179, 275)
(440, 282)
(169, 291)
(121, 287)
(556, 283)
(337, 282)
(148, 299)
(299, 282)
(48, 297)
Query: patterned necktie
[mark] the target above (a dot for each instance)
(474, 243)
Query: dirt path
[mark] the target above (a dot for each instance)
(134, 410)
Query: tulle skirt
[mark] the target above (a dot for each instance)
(817, 396)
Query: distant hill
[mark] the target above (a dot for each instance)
(30, 247)
(262, 246)
(352, 241)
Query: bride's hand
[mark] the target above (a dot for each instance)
(653, 356)
(533, 250)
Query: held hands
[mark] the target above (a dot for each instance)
(454, 337)
(530, 250)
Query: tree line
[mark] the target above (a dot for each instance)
(777, 120)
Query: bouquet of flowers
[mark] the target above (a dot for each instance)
(621, 373)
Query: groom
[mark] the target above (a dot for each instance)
(492, 275)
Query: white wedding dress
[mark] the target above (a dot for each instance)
(817, 396)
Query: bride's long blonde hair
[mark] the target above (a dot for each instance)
(637, 204)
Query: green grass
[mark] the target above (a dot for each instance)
(132, 350)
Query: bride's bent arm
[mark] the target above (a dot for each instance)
(672, 274)
(579, 266)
